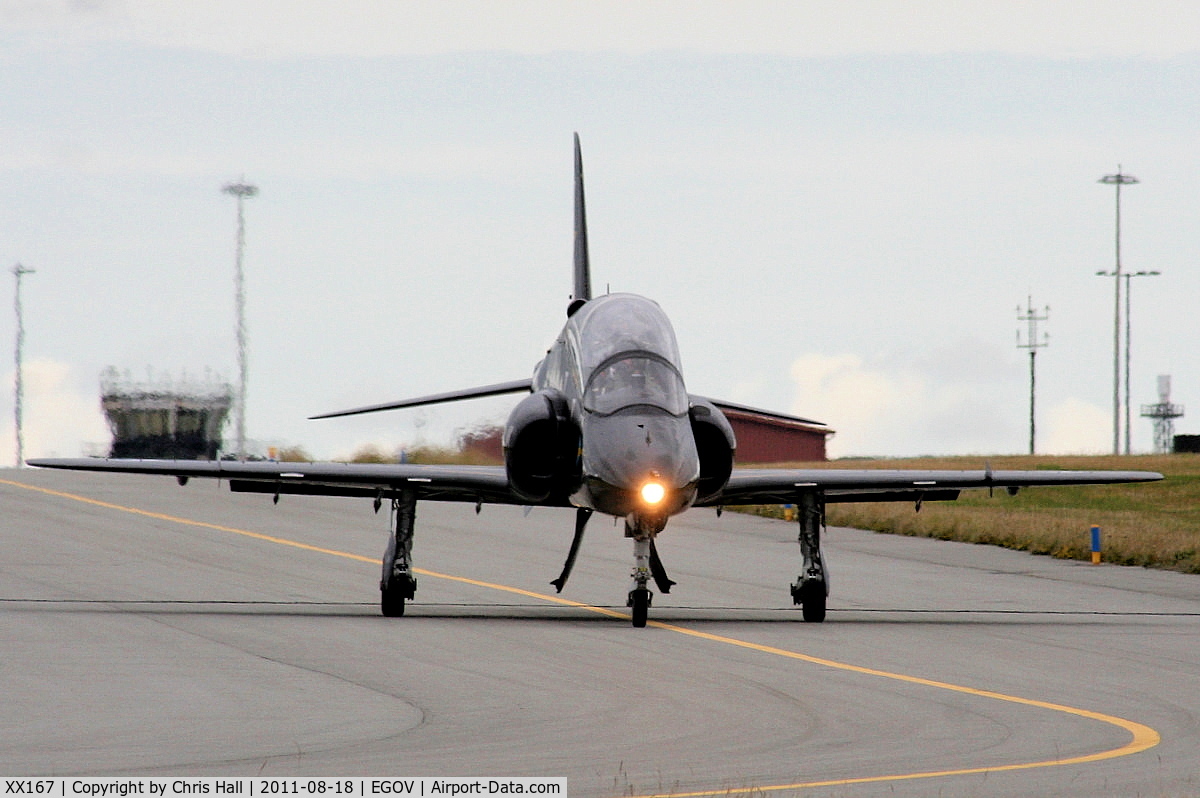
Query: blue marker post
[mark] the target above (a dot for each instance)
(1095, 545)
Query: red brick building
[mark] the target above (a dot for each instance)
(763, 438)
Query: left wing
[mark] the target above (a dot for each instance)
(462, 483)
(780, 486)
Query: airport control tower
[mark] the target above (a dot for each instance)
(164, 417)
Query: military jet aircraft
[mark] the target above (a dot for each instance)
(607, 426)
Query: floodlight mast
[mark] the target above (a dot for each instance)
(19, 271)
(1129, 343)
(242, 191)
(1118, 180)
(1033, 343)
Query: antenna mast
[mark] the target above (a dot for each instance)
(1033, 344)
(1163, 414)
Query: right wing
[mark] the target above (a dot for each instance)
(455, 483)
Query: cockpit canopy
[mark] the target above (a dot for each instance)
(635, 379)
(628, 355)
(618, 323)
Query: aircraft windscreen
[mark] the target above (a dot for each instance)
(618, 323)
(635, 380)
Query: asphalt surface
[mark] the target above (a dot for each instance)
(217, 634)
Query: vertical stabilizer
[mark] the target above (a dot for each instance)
(583, 276)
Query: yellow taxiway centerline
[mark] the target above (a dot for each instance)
(1142, 737)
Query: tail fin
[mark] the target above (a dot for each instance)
(583, 276)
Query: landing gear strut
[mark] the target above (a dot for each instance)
(639, 594)
(811, 588)
(646, 565)
(398, 584)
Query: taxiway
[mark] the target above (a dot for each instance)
(158, 630)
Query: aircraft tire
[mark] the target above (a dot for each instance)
(812, 599)
(641, 607)
(392, 603)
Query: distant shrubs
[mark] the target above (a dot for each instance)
(1154, 525)
(372, 454)
(424, 454)
(293, 454)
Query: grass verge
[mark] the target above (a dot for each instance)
(1156, 525)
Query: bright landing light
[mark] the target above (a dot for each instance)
(653, 493)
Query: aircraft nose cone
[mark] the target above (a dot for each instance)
(638, 462)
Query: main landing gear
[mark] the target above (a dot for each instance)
(398, 584)
(811, 588)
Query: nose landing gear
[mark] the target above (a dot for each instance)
(639, 595)
(646, 566)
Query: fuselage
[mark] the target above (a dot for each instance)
(616, 363)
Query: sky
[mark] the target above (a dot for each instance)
(840, 205)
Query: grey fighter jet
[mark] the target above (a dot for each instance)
(607, 426)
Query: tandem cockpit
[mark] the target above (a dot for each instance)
(617, 363)
(628, 356)
(635, 380)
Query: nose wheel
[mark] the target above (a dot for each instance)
(639, 603)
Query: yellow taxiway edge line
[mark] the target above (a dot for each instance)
(1142, 737)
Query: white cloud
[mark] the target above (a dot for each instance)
(275, 28)
(312, 158)
(372, 160)
(74, 156)
(892, 406)
(863, 404)
(1076, 427)
(59, 412)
